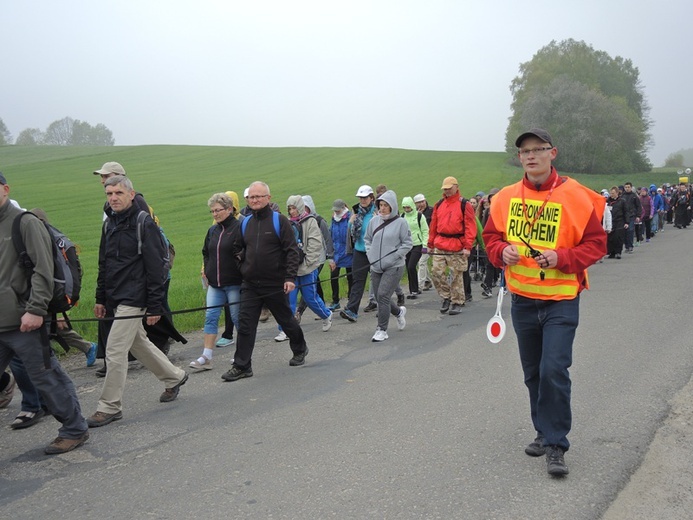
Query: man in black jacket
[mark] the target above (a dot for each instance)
(132, 275)
(269, 270)
(634, 208)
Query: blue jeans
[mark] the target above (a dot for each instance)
(230, 294)
(307, 284)
(545, 332)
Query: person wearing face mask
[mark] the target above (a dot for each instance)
(387, 240)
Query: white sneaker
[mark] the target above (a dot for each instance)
(281, 336)
(380, 335)
(401, 322)
(327, 323)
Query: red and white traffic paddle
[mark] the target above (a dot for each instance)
(495, 329)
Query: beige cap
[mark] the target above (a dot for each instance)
(111, 167)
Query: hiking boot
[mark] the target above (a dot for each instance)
(27, 419)
(297, 316)
(555, 463)
(8, 393)
(348, 315)
(223, 342)
(237, 373)
(63, 445)
(380, 335)
(486, 291)
(335, 306)
(445, 307)
(401, 321)
(400, 299)
(102, 419)
(91, 355)
(281, 337)
(265, 315)
(427, 286)
(170, 394)
(298, 359)
(536, 448)
(456, 309)
(327, 323)
(101, 372)
(370, 307)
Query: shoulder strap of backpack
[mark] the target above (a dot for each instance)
(140, 229)
(275, 221)
(384, 224)
(18, 242)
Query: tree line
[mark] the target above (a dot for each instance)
(63, 132)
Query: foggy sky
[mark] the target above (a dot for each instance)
(429, 74)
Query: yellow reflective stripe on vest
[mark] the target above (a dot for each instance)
(549, 274)
(536, 288)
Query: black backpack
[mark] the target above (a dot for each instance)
(67, 270)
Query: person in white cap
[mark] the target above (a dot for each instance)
(362, 214)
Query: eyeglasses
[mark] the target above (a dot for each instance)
(215, 211)
(256, 197)
(534, 151)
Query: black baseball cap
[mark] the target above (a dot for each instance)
(536, 132)
(2, 179)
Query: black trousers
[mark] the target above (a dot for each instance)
(252, 300)
(412, 261)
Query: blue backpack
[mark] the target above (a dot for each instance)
(298, 232)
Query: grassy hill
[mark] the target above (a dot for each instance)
(178, 180)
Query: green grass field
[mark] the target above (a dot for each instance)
(178, 180)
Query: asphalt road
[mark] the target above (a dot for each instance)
(429, 424)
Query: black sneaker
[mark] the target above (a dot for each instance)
(555, 463)
(536, 448)
(101, 372)
(400, 299)
(370, 307)
(445, 307)
(456, 309)
(486, 291)
(237, 373)
(298, 359)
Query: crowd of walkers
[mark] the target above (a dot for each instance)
(634, 216)
(266, 259)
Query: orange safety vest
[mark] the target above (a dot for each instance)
(560, 225)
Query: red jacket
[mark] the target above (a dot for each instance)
(449, 229)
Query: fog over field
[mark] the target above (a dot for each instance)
(431, 74)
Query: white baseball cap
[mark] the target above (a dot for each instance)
(419, 197)
(364, 191)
